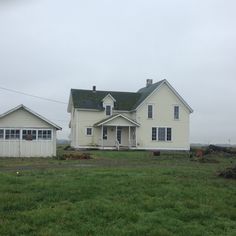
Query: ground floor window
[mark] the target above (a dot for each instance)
(29, 134)
(89, 131)
(44, 134)
(12, 134)
(162, 133)
(1, 133)
(154, 133)
(25, 134)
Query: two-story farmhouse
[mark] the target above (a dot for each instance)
(155, 117)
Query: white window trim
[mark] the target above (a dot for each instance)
(106, 110)
(174, 112)
(86, 133)
(14, 139)
(157, 131)
(37, 139)
(3, 138)
(21, 134)
(152, 105)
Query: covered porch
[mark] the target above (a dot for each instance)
(117, 132)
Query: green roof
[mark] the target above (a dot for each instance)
(89, 99)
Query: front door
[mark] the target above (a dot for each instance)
(118, 134)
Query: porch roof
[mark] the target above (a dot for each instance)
(107, 121)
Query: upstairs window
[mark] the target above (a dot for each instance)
(150, 111)
(12, 134)
(108, 110)
(176, 112)
(44, 134)
(1, 133)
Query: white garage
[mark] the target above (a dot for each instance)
(24, 133)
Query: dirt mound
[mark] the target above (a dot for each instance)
(76, 156)
(218, 149)
(228, 173)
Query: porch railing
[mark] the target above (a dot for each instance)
(117, 145)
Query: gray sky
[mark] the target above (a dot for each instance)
(49, 47)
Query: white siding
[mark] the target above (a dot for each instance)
(22, 148)
(22, 119)
(163, 103)
(88, 119)
(118, 122)
(81, 119)
(107, 101)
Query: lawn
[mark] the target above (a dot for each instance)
(117, 193)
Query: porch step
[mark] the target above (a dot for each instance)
(124, 148)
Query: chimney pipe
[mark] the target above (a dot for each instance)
(149, 82)
(94, 89)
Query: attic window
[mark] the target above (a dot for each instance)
(108, 110)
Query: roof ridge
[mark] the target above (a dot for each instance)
(146, 87)
(106, 91)
(83, 98)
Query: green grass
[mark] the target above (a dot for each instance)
(117, 193)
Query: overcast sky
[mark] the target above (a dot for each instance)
(49, 47)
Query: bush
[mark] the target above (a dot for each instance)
(229, 173)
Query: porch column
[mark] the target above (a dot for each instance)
(116, 135)
(116, 141)
(102, 137)
(129, 137)
(136, 137)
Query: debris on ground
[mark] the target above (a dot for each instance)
(226, 150)
(228, 173)
(76, 156)
(206, 154)
(69, 148)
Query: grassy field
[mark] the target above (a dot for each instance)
(117, 193)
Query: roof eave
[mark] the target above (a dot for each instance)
(172, 89)
(114, 117)
(33, 113)
(70, 104)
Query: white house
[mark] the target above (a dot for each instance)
(155, 117)
(24, 133)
